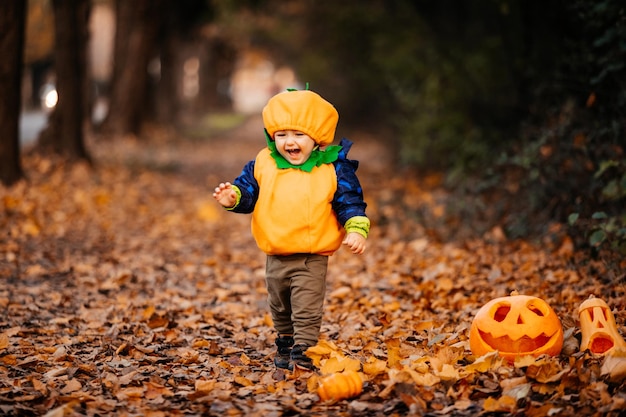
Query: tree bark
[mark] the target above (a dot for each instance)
(136, 30)
(219, 69)
(166, 98)
(64, 134)
(12, 22)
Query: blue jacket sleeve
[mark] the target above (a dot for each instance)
(249, 188)
(348, 200)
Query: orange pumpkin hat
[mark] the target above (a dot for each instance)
(301, 110)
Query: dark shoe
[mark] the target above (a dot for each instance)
(283, 355)
(300, 360)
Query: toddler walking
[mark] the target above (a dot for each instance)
(306, 201)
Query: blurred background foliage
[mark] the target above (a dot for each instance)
(520, 103)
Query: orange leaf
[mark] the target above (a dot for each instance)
(4, 341)
(504, 403)
(203, 386)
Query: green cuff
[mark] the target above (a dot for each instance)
(238, 192)
(358, 224)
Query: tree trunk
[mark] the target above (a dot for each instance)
(166, 98)
(137, 25)
(64, 133)
(12, 22)
(218, 69)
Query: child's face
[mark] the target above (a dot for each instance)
(294, 146)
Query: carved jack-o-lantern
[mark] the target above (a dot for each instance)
(598, 327)
(516, 325)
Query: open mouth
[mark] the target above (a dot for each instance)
(601, 342)
(293, 152)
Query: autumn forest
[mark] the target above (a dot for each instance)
(490, 141)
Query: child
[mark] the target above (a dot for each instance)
(305, 200)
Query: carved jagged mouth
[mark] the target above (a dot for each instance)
(521, 346)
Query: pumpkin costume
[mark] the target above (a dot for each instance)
(300, 215)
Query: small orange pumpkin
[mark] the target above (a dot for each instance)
(346, 384)
(598, 327)
(514, 326)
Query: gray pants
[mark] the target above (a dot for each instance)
(296, 286)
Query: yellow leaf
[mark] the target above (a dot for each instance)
(427, 379)
(448, 373)
(332, 365)
(351, 364)
(393, 356)
(323, 347)
(446, 355)
(339, 364)
(485, 363)
(504, 403)
(245, 359)
(313, 383)
(374, 366)
(525, 361)
(421, 364)
(409, 375)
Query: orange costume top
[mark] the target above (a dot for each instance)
(293, 212)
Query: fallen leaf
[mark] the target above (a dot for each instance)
(614, 365)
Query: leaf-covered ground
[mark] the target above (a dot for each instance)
(125, 290)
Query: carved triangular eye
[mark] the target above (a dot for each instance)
(601, 317)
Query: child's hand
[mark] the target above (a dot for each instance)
(356, 242)
(225, 195)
